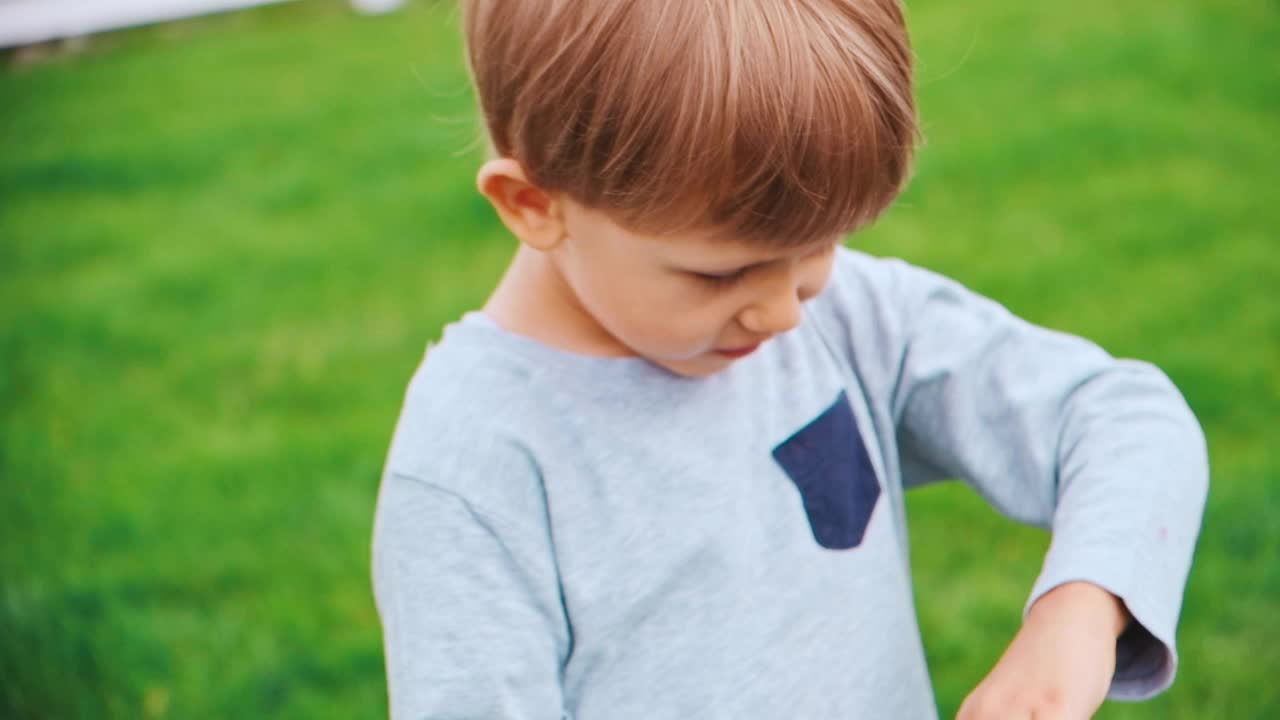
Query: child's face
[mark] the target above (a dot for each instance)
(692, 304)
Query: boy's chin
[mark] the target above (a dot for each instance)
(699, 366)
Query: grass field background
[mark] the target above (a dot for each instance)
(225, 242)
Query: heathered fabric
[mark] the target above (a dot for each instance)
(560, 536)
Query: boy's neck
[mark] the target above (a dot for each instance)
(533, 300)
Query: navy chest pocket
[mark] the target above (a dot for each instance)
(828, 463)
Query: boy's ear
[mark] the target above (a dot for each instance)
(532, 214)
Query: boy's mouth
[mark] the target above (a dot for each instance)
(738, 352)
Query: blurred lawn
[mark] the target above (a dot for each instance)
(224, 243)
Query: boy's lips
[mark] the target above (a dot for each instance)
(738, 352)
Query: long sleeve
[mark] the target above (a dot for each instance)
(1053, 432)
(472, 621)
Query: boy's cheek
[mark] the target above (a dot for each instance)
(672, 332)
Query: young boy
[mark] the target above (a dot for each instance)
(661, 474)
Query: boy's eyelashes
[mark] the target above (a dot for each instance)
(721, 279)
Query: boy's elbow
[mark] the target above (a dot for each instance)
(1181, 435)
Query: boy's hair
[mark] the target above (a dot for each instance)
(774, 121)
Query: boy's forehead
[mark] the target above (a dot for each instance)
(716, 247)
(725, 250)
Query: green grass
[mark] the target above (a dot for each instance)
(224, 243)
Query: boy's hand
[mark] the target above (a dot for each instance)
(1059, 665)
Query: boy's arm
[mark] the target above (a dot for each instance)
(1056, 433)
(1053, 432)
(469, 601)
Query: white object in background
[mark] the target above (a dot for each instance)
(23, 22)
(376, 7)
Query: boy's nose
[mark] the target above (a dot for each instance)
(775, 314)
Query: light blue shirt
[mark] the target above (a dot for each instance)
(561, 536)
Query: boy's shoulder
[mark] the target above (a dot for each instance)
(883, 284)
(464, 410)
(465, 375)
(869, 302)
(881, 301)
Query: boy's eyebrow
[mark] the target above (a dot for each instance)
(748, 267)
(710, 268)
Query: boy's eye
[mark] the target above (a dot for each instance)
(720, 279)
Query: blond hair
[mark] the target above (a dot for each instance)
(776, 121)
